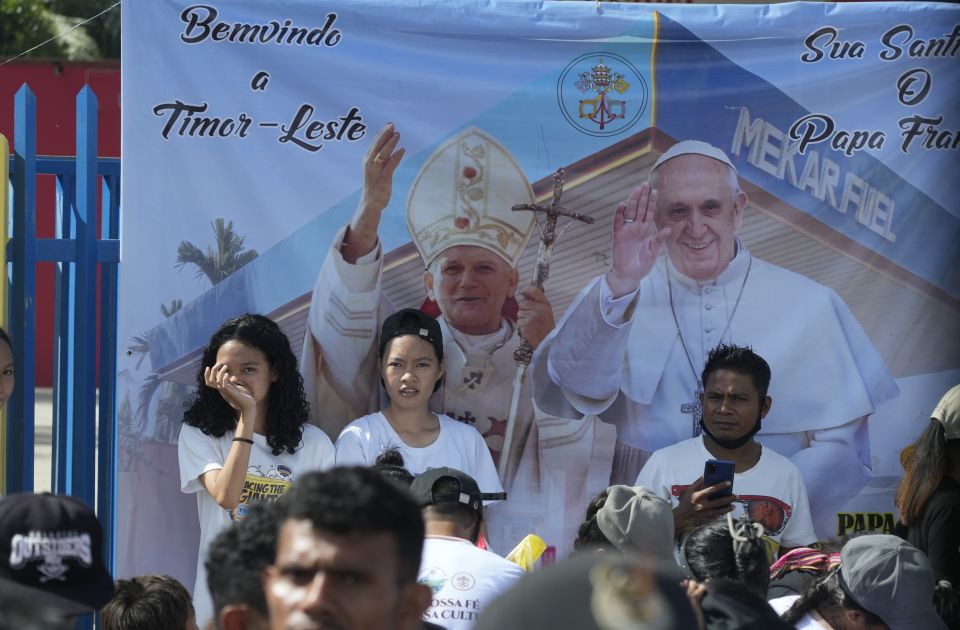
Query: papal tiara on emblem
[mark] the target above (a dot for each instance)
(694, 147)
(463, 195)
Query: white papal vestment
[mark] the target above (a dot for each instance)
(623, 360)
(548, 480)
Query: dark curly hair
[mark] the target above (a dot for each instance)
(287, 408)
(711, 552)
(237, 557)
(390, 464)
(148, 602)
(589, 535)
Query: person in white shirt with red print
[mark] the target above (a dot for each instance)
(767, 486)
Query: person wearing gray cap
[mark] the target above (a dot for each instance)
(636, 520)
(630, 347)
(928, 499)
(882, 581)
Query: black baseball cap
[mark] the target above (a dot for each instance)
(468, 493)
(51, 550)
(410, 321)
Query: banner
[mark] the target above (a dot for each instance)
(245, 131)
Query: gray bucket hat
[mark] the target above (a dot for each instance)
(947, 413)
(635, 519)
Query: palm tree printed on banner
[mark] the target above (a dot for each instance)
(175, 305)
(155, 421)
(216, 265)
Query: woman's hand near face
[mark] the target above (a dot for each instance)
(237, 396)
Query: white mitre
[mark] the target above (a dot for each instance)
(463, 195)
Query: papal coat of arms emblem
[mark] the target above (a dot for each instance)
(602, 94)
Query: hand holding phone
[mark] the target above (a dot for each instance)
(716, 471)
(702, 501)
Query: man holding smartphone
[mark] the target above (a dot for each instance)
(767, 487)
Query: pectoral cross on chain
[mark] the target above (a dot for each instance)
(695, 409)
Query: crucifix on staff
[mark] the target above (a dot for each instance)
(546, 217)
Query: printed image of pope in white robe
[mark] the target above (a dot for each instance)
(632, 345)
(459, 216)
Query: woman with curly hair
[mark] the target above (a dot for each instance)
(928, 498)
(245, 437)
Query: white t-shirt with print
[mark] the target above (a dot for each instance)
(268, 477)
(457, 446)
(463, 580)
(772, 492)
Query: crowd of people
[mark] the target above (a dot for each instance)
(404, 520)
(378, 545)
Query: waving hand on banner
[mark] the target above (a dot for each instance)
(379, 163)
(636, 240)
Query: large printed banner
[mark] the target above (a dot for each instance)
(249, 135)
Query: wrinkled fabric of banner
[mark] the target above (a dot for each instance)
(245, 125)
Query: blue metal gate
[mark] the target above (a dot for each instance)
(84, 455)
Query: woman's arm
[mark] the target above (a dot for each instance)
(225, 485)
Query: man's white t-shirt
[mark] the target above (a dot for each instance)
(772, 492)
(268, 477)
(463, 580)
(457, 446)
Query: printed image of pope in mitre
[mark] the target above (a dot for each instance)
(470, 241)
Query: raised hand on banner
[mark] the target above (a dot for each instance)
(636, 240)
(379, 163)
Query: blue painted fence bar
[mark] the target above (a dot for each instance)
(80, 468)
(23, 176)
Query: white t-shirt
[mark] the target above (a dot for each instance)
(772, 492)
(457, 446)
(268, 477)
(810, 621)
(463, 580)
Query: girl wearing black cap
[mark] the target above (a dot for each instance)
(411, 370)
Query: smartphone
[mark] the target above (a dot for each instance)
(717, 471)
